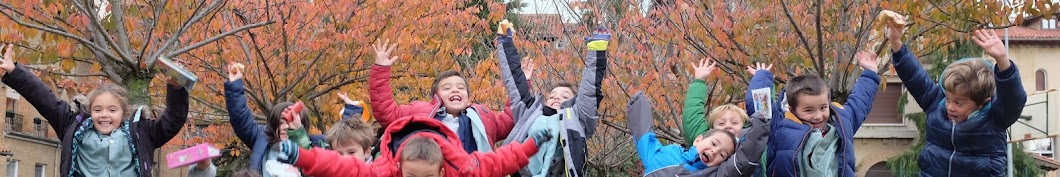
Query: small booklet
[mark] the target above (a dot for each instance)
(178, 73)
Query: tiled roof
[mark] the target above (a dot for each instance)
(1025, 33)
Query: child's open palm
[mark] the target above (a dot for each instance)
(867, 60)
(703, 69)
(528, 67)
(8, 63)
(382, 53)
(345, 99)
(759, 66)
(991, 44)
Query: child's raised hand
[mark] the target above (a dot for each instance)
(993, 46)
(867, 60)
(528, 67)
(703, 69)
(345, 99)
(235, 71)
(759, 66)
(382, 53)
(894, 35)
(8, 63)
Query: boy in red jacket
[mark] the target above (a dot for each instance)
(476, 126)
(417, 146)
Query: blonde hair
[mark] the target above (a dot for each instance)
(971, 78)
(119, 93)
(718, 111)
(352, 131)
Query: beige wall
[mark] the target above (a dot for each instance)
(877, 143)
(29, 150)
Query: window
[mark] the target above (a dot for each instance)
(1048, 24)
(12, 168)
(40, 128)
(38, 170)
(1040, 80)
(14, 122)
(885, 107)
(11, 105)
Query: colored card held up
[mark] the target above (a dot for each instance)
(763, 101)
(191, 155)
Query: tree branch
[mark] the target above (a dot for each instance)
(52, 30)
(103, 34)
(199, 14)
(65, 74)
(212, 39)
(787, 13)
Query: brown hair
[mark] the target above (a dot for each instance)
(119, 92)
(804, 85)
(971, 78)
(562, 84)
(717, 111)
(421, 148)
(444, 75)
(276, 118)
(352, 131)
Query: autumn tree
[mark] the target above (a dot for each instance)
(116, 39)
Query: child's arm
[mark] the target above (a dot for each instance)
(507, 159)
(589, 95)
(860, 100)
(749, 152)
(324, 163)
(694, 115)
(509, 59)
(56, 111)
(916, 79)
(1010, 97)
(172, 119)
(380, 94)
(639, 116)
(238, 113)
(763, 79)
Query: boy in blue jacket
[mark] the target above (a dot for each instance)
(815, 137)
(965, 128)
(709, 149)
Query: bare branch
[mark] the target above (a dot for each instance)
(213, 39)
(103, 34)
(57, 31)
(64, 74)
(199, 14)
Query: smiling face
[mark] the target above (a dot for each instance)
(813, 109)
(453, 93)
(559, 95)
(107, 113)
(714, 147)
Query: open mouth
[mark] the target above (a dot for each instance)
(106, 123)
(456, 98)
(704, 157)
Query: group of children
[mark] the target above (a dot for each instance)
(798, 132)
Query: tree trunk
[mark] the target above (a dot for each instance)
(138, 87)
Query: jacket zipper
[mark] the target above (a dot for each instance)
(953, 143)
(798, 149)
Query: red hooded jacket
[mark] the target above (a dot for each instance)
(503, 161)
(381, 95)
